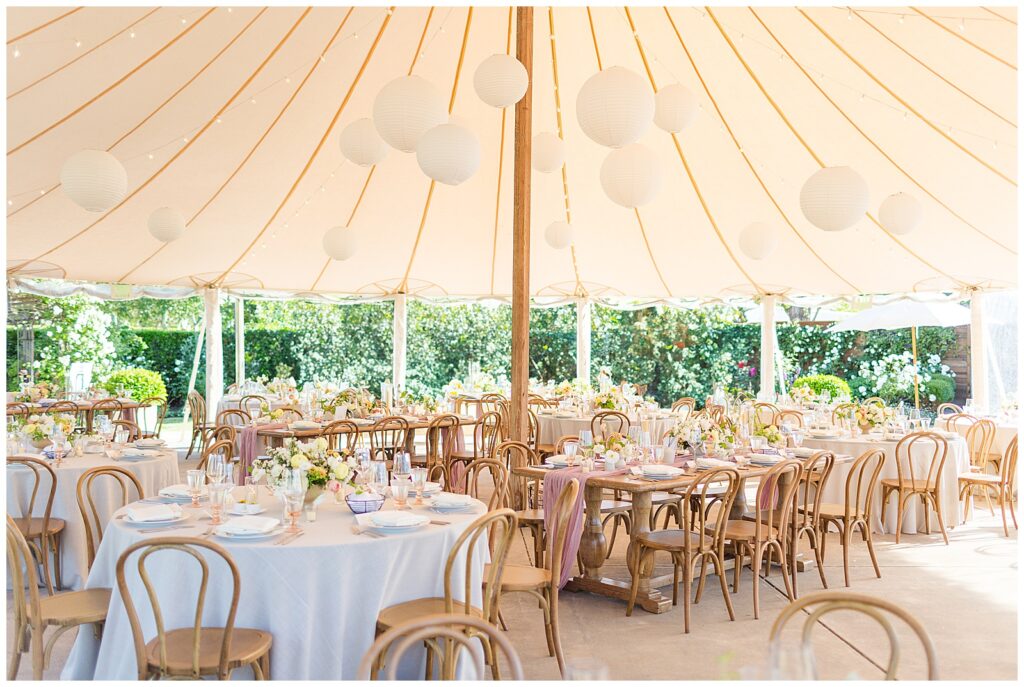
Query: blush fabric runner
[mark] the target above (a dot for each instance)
(247, 447)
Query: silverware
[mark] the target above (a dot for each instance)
(207, 533)
(295, 536)
(166, 529)
(439, 522)
(287, 538)
(368, 533)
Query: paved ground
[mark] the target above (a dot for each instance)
(964, 594)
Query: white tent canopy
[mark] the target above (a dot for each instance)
(231, 116)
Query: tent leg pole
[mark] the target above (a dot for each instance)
(913, 347)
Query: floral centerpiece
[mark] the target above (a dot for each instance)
(325, 470)
(718, 435)
(610, 399)
(569, 388)
(39, 428)
(268, 414)
(870, 415)
(282, 386)
(802, 395)
(425, 401)
(613, 445)
(769, 432)
(34, 393)
(481, 383)
(353, 401)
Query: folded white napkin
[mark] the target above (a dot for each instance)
(177, 491)
(149, 443)
(431, 487)
(660, 470)
(395, 518)
(249, 524)
(451, 500)
(304, 424)
(713, 463)
(153, 513)
(804, 452)
(764, 458)
(144, 452)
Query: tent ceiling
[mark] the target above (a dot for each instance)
(260, 191)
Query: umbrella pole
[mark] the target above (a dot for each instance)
(913, 348)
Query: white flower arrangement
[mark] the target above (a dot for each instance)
(34, 393)
(281, 386)
(323, 468)
(268, 414)
(482, 383)
(719, 435)
(873, 414)
(351, 399)
(610, 399)
(769, 432)
(802, 394)
(39, 427)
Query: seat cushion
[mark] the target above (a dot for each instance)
(74, 608)
(417, 608)
(246, 647)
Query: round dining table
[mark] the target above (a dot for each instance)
(154, 473)
(553, 424)
(318, 595)
(957, 462)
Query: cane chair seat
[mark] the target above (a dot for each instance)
(419, 608)
(916, 485)
(247, 646)
(833, 511)
(33, 527)
(74, 608)
(745, 529)
(979, 477)
(667, 540)
(521, 578)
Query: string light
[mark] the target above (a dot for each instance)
(17, 52)
(78, 43)
(962, 26)
(131, 34)
(901, 18)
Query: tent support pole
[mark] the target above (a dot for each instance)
(583, 324)
(239, 341)
(214, 353)
(521, 234)
(767, 386)
(195, 364)
(917, 382)
(979, 352)
(399, 333)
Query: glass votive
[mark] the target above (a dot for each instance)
(310, 512)
(400, 491)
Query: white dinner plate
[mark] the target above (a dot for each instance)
(255, 536)
(155, 523)
(149, 443)
(251, 511)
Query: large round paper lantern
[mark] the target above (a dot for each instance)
(94, 179)
(548, 153)
(834, 198)
(758, 240)
(631, 176)
(900, 213)
(615, 107)
(407, 108)
(674, 108)
(340, 243)
(449, 153)
(166, 224)
(558, 235)
(501, 80)
(361, 144)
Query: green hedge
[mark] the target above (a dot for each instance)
(819, 383)
(141, 384)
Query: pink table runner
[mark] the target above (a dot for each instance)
(247, 447)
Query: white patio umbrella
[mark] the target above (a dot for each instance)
(903, 314)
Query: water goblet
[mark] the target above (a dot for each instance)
(379, 475)
(570, 449)
(218, 494)
(402, 464)
(196, 480)
(215, 467)
(251, 489)
(293, 489)
(586, 438)
(419, 482)
(798, 438)
(400, 491)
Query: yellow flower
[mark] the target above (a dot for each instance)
(297, 460)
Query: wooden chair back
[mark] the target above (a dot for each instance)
(815, 606)
(794, 417)
(94, 523)
(1008, 467)
(950, 420)
(719, 484)
(388, 436)
(817, 470)
(765, 413)
(862, 484)
(684, 406)
(453, 642)
(564, 507)
(224, 446)
(233, 417)
(219, 433)
(22, 578)
(948, 409)
(715, 412)
(501, 407)
(516, 454)
(190, 548)
(134, 433)
(251, 403)
(442, 436)
(566, 439)
(467, 405)
(487, 434)
(776, 490)
(342, 431)
(607, 421)
(108, 406)
(538, 400)
(498, 474)
(843, 410)
(290, 414)
(196, 407)
(980, 437)
(494, 530)
(39, 468)
(17, 409)
(908, 470)
(78, 415)
(142, 418)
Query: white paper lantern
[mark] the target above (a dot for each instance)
(900, 213)
(631, 176)
(449, 153)
(94, 179)
(758, 240)
(407, 108)
(558, 235)
(501, 80)
(548, 153)
(674, 108)
(166, 224)
(340, 243)
(361, 144)
(615, 107)
(834, 198)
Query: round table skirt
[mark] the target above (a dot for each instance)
(319, 595)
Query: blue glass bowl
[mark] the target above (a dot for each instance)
(364, 505)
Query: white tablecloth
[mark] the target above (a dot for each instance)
(551, 428)
(319, 595)
(232, 403)
(153, 473)
(957, 462)
(1004, 434)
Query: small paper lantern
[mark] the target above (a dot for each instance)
(340, 243)
(449, 153)
(900, 213)
(94, 179)
(361, 144)
(166, 224)
(631, 176)
(407, 108)
(674, 108)
(558, 235)
(548, 153)
(834, 198)
(758, 240)
(501, 80)
(615, 107)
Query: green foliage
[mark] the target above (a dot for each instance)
(141, 384)
(938, 389)
(819, 383)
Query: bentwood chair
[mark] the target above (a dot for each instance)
(1002, 484)
(856, 509)
(524, 493)
(789, 417)
(111, 407)
(341, 431)
(684, 406)
(451, 643)
(493, 531)
(877, 400)
(200, 426)
(543, 580)
(486, 436)
(814, 607)
(194, 651)
(765, 413)
(841, 411)
(79, 416)
(219, 433)
(160, 405)
(768, 532)
(134, 433)
(94, 523)
(948, 409)
(913, 481)
(43, 534)
(233, 417)
(700, 538)
(226, 447)
(497, 474)
(388, 437)
(442, 435)
(251, 403)
(979, 435)
(565, 439)
(806, 518)
(608, 421)
(18, 409)
(535, 443)
(290, 414)
(32, 614)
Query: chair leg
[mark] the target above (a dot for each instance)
(37, 653)
(900, 502)
(44, 554)
(1001, 498)
(819, 558)
(703, 577)
(615, 530)
(635, 585)
(938, 514)
(965, 496)
(555, 636)
(687, 566)
(847, 536)
(720, 571)
(782, 560)
(865, 531)
(15, 660)
(885, 502)
(755, 569)
(675, 582)
(738, 565)
(927, 516)
(56, 541)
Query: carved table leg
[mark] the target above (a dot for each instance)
(592, 544)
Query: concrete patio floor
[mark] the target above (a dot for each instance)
(964, 594)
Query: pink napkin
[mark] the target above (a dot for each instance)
(456, 469)
(247, 447)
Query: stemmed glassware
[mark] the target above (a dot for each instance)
(196, 480)
(215, 468)
(402, 464)
(106, 429)
(218, 496)
(293, 488)
(419, 483)
(400, 491)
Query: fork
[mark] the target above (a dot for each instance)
(368, 533)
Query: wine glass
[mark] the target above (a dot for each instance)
(293, 489)
(798, 438)
(106, 429)
(218, 493)
(570, 449)
(400, 491)
(402, 464)
(196, 480)
(215, 468)
(379, 475)
(419, 482)
(586, 438)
